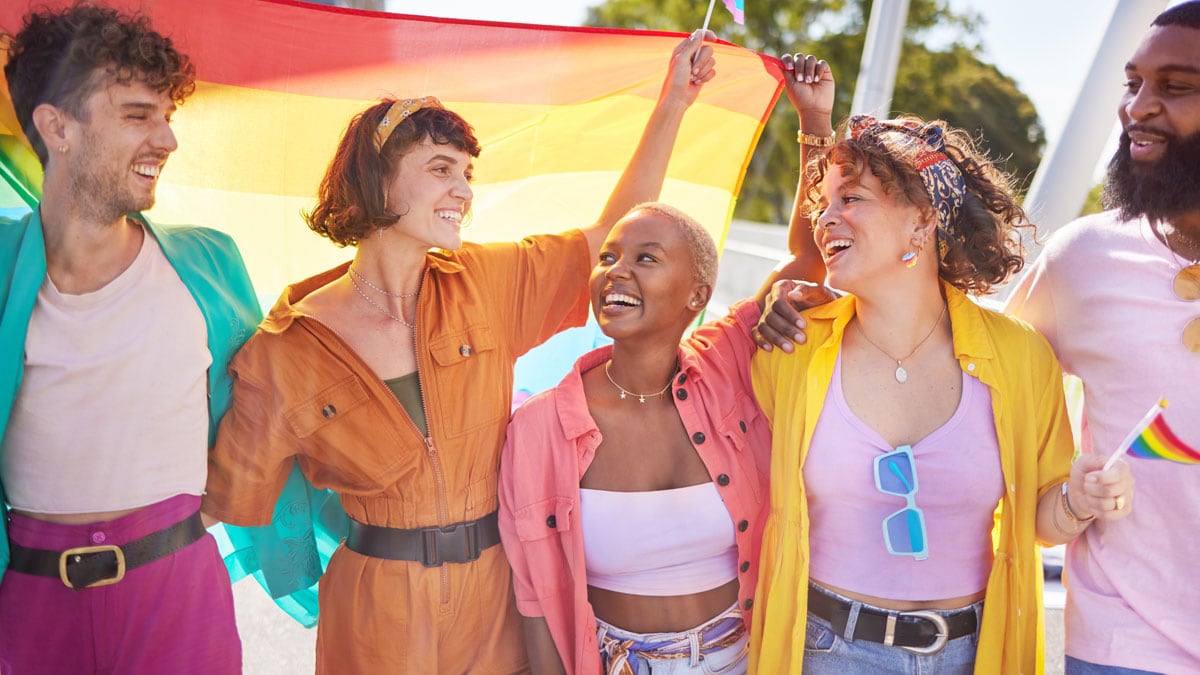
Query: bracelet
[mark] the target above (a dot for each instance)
(815, 141)
(1069, 512)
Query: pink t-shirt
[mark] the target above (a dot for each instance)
(112, 412)
(959, 485)
(551, 442)
(1101, 292)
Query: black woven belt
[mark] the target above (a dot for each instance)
(921, 631)
(87, 566)
(430, 546)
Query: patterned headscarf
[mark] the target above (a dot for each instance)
(397, 113)
(924, 146)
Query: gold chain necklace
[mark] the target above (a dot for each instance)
(398, 319)
(901, 373)
(640, 397)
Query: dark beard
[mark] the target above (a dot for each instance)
(1160, 190)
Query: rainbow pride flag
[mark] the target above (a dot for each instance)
(1157, 441)
(558, 111)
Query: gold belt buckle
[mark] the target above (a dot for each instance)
(63, 559)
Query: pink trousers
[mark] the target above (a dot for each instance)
(173, 615)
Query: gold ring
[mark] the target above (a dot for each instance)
(1118, 503)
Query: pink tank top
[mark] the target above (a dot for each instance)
(959, 487)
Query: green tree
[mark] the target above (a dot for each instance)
(952, 83)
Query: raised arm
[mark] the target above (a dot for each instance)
(690, 67)
(810, 88)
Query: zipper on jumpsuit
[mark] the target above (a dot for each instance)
(431, 451)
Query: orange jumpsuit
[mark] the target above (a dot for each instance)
(301, 394)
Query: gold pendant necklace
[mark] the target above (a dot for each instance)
(901, 373)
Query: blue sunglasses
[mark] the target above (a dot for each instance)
(904, 530)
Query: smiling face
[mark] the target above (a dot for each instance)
(862, 230)
(118, 149)
(431, 192)
(645, 282)
(1156, 169)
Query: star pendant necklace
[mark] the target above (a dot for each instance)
(901, 373)
(640, 397)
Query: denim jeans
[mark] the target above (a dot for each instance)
(825, 651)
(1080, 667)
(730, 660)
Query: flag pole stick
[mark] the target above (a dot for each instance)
(1137, 431)
(707, 16)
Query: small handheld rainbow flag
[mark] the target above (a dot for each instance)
(1153, 439)
(736, 7)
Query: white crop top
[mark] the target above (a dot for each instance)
(660, 543)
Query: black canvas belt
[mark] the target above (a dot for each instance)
(88, 566)
(430, 546)
(921, 631)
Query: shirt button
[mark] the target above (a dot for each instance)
(552, 522)
(98, 537)
(742, 425)
(681, 394)
(329, 411)
(698, 437)
(723, 480)
(682, 378)
(465, 350)
(743, 526)
(746, 566)
(748, 604)
(970, 367)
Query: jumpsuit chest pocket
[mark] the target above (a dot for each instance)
(473, 381)
(326, 408)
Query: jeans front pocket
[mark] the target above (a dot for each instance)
(819, 637)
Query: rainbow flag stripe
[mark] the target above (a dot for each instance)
(1157, 441)
(558, 111)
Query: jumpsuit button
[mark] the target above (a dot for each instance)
(742, 425)
(681, 394)
(682, 378)
(723, 480)
(552, 522)
(698, 437)
(465, 350)
(329, 411)
(743, 526)
(746, 566)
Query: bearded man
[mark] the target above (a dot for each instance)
(1115, 293)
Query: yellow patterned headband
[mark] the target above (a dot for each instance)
(397, 113)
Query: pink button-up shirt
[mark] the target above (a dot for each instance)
(552, 439)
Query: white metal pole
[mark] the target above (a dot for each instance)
(881, 57)
(1066, 172)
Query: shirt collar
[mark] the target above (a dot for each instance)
(284, 313)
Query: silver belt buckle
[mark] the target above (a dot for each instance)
(939, 642)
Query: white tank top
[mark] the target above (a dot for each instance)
(112, 413)
(665, 542)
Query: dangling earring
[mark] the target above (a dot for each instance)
(910, 258)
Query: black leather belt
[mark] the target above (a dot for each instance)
(921, 631)
(88, 566)
(430, 546)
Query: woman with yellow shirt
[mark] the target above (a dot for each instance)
(921, 445)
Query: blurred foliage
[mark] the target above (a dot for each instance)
(951, 83)
(1092, 204)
